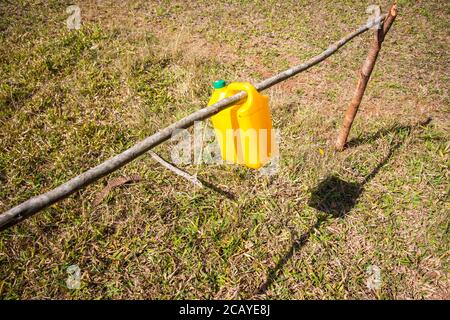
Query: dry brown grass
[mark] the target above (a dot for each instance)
(70, 99)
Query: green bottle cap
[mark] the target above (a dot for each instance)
(219, 84)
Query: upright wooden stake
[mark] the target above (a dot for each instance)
(364, 77)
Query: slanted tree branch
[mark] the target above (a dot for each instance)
(176, 170)
(35, 204)
(366, 71)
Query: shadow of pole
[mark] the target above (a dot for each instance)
(300, 242)
(337, 197)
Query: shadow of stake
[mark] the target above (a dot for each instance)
(300, 242)
(336, 198)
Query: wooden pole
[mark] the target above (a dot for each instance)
(364, 77)
(33, 205)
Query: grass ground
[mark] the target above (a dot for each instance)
(70, 99)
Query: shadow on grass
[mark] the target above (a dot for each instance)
(369, 138)
(227, 194)
(336, 197)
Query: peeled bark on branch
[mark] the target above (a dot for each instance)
(364, 77)
(192, 178)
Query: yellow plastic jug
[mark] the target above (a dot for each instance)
(244, 130)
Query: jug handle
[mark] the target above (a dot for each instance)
(251, 91)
